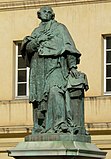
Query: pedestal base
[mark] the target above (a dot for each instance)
(58, 137)
(56, 150)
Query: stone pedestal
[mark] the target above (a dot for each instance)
(62, 148)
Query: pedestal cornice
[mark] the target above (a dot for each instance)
(56, 149)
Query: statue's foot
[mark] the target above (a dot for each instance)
(79, 130)
(37, 130)
(76, 130)
(50, 131)
(63, 128)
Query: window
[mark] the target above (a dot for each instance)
(22, 74)
(107, 65)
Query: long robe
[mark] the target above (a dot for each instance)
(50, 61)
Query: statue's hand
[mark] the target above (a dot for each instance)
(49, 34)
(74, 72)
(42, 38)
(46, 36)
(31, 46)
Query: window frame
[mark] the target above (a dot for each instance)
(105, 65)
(16, 75)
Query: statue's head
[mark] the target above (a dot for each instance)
(46, 13)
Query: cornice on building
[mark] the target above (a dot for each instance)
(93, 128)
(29, 4)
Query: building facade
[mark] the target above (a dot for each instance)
(89, 22)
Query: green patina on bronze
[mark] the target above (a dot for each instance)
(56, 86)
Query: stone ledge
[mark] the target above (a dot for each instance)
(17, 5)
(99, 125)
(15, 129)
(28, 128)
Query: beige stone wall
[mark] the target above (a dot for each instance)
(15, 113)
(19, 112)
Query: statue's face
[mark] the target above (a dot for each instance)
(46, 14)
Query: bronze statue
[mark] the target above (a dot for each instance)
(52, 57)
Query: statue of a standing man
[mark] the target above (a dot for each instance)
(51, 55)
